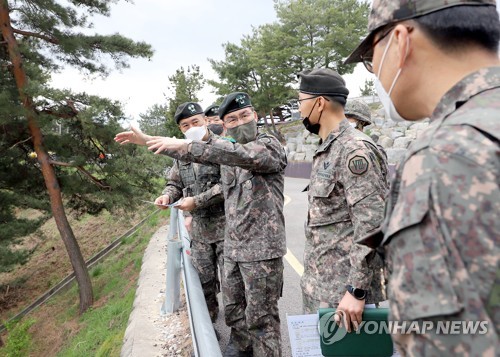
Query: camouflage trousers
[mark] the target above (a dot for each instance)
(251, 291)
(207, 253)
(311, 305)
(435, 344)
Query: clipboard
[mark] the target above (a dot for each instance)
(371, 340)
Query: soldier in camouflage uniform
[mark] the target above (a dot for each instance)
(214, 122)
(203, 203)
(346, 201)
(439, 59)
(359, 115)
(252, 172)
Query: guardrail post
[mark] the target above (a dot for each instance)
(174, 248)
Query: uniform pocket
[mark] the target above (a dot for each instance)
(253, 186)
(322, 190)
(327, 204)
(420, 283)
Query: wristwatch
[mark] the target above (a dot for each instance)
(359, 294)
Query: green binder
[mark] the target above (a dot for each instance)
(373, 339)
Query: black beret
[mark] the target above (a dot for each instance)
(187, 110)
(212, 111)
(233, 102)
(323, 81)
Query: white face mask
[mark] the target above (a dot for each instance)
(195, 132)
(353, 125)
(385, 98)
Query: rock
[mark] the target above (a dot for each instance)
(419, 132)
(405, 124)
(381, 112)
(411, 133)
(291, 146)
(400, 129)
(402, 143)
(374, 131)
(313, 140)
(394, 156)
(419, 126)
(396, 134)
(300, 147)
(291, 155)
(305, 134)
(300, 156)
(387, 132)
(310, 155)
(386, 142)
(389, 123)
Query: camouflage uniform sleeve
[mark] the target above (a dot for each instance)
(209, 197)
(365, 189)
(174, 185)
(263, 155)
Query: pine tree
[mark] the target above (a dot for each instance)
(154, 121)
(184, 86)
(56, 146)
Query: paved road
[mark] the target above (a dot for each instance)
(291, 302)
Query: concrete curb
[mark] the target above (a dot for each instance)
(143, 336)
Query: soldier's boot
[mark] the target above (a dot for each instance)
(233, 351)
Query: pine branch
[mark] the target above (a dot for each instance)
(82, 170)
(37, 35)
(59, 111)
(21, 142)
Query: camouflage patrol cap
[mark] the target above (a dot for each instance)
(385, 12)
(357, 109)
(187, 110)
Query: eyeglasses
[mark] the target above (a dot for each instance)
(299, 101)
(316, 96)
(367, 57)
(232, 120)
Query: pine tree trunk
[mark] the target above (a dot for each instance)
(51, 182)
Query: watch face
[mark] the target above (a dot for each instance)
(358, 293)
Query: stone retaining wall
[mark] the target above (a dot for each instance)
(395, 137)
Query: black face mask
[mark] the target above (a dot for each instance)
(312, 128)
(217, 129)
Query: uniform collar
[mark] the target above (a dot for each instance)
(471, 85)
(334, 134)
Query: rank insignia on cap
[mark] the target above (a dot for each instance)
(358, 165)
(240, 99)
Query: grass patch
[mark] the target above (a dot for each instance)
(19, 340)
(56, 329)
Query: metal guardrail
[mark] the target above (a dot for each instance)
(203, 334)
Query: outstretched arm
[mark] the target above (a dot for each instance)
(265, 154)
(133, 136)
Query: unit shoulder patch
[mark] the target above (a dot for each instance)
(358, 165)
